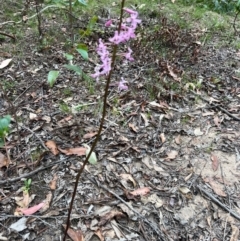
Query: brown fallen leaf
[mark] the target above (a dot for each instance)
(177, 140)
(65, 120)
(133, 127)
(99, 234)
(163, 138)
(79, 151)
(128, 177)
(208, 113)
(217, 188)
(4, 162)
(25, 200)
(53, 182)
(89, 135)
(172, 155)
(75, 235)
(110, 215)
(47, 202)
(173, 74)
(145, 119)
(52, 147)
(215, 162)
(235, 233)
(140, 191)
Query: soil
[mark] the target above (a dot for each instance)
(168, 156)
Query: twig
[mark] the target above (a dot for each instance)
(8, 35)
(33, 16)
(140, 216)
(234, 23)
(31, 173)
(235, 215)
(43, 145)
(216, 106)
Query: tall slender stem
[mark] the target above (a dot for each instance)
(100, 127)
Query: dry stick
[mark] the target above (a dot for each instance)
(70, 21)
(43, 145)
(216, 106)
(31, 173)
(100, 127)
(219, 203)
(234, 23)
(33, 16)
(140, 216)
(39, 18)
(8, 35)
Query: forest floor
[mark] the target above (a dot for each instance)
(169, 154)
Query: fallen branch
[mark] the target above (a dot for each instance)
(31, 173)
(231, 212)
(216, 106)
(8, 35)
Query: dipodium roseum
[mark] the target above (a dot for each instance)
(127, 32)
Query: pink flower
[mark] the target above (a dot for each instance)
(105, 67)
(108, 23)
(126, 33)
(128, 55)
(122, 85)
(130, 11)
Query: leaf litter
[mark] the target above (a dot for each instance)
(154, 154)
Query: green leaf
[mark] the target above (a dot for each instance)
(75, 68)
(83, 2)
(93, 158)
(52, 77)
(82, 49)
(92, 22)
(4, 125)
(68, 57)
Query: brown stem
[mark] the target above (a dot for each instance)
(234, 23)
(8, 35)
(71, 22)
(100, 127)
(39, 18)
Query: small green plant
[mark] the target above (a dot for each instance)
(64, 107)
(27, 184)
(4, 128)
(52, 77)
(220, 6)
(67, 92)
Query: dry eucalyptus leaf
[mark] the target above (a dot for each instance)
(89, 135)
(79, 151)
(5, 63)
(133, 127)
(184, 190)
(215, 162)
(128, 177)
(52, 146)
(145, 119)
(198, 132)
(140, 191)
(177, 140)
(172, 154)
(163, 138)
(4, 162)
